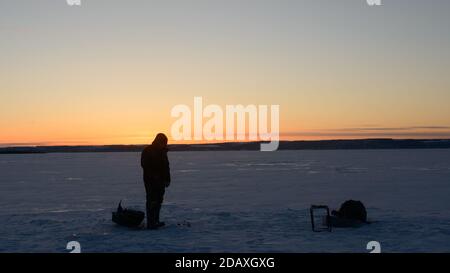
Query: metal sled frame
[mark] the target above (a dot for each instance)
(311, 211)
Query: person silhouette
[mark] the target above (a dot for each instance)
(155, 165)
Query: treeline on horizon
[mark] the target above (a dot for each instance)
(248, 146)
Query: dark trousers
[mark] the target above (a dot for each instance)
(155, 197)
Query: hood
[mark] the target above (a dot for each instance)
(160, 141)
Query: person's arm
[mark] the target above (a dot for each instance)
(143, 159)
(167, 170)
(146, 159)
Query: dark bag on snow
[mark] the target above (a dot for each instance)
(127, 217)
(352, 210)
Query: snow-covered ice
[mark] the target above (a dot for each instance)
(236, 201)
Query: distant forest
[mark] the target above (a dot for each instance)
(249, 146)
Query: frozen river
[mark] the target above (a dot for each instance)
(236, 201)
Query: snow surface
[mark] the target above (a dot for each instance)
(236, 201)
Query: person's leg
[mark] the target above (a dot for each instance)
(152, 220)
(150, 206)
(154, 200)
(158, 206)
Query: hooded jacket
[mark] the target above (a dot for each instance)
(155, 163)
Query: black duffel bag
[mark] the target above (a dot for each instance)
(352, 210)
(128, 217)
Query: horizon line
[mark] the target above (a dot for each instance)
(44, 144)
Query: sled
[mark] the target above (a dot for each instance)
(319, 218)
(128, 217)
(352, 214)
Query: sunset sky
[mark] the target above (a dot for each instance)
(109, 71)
